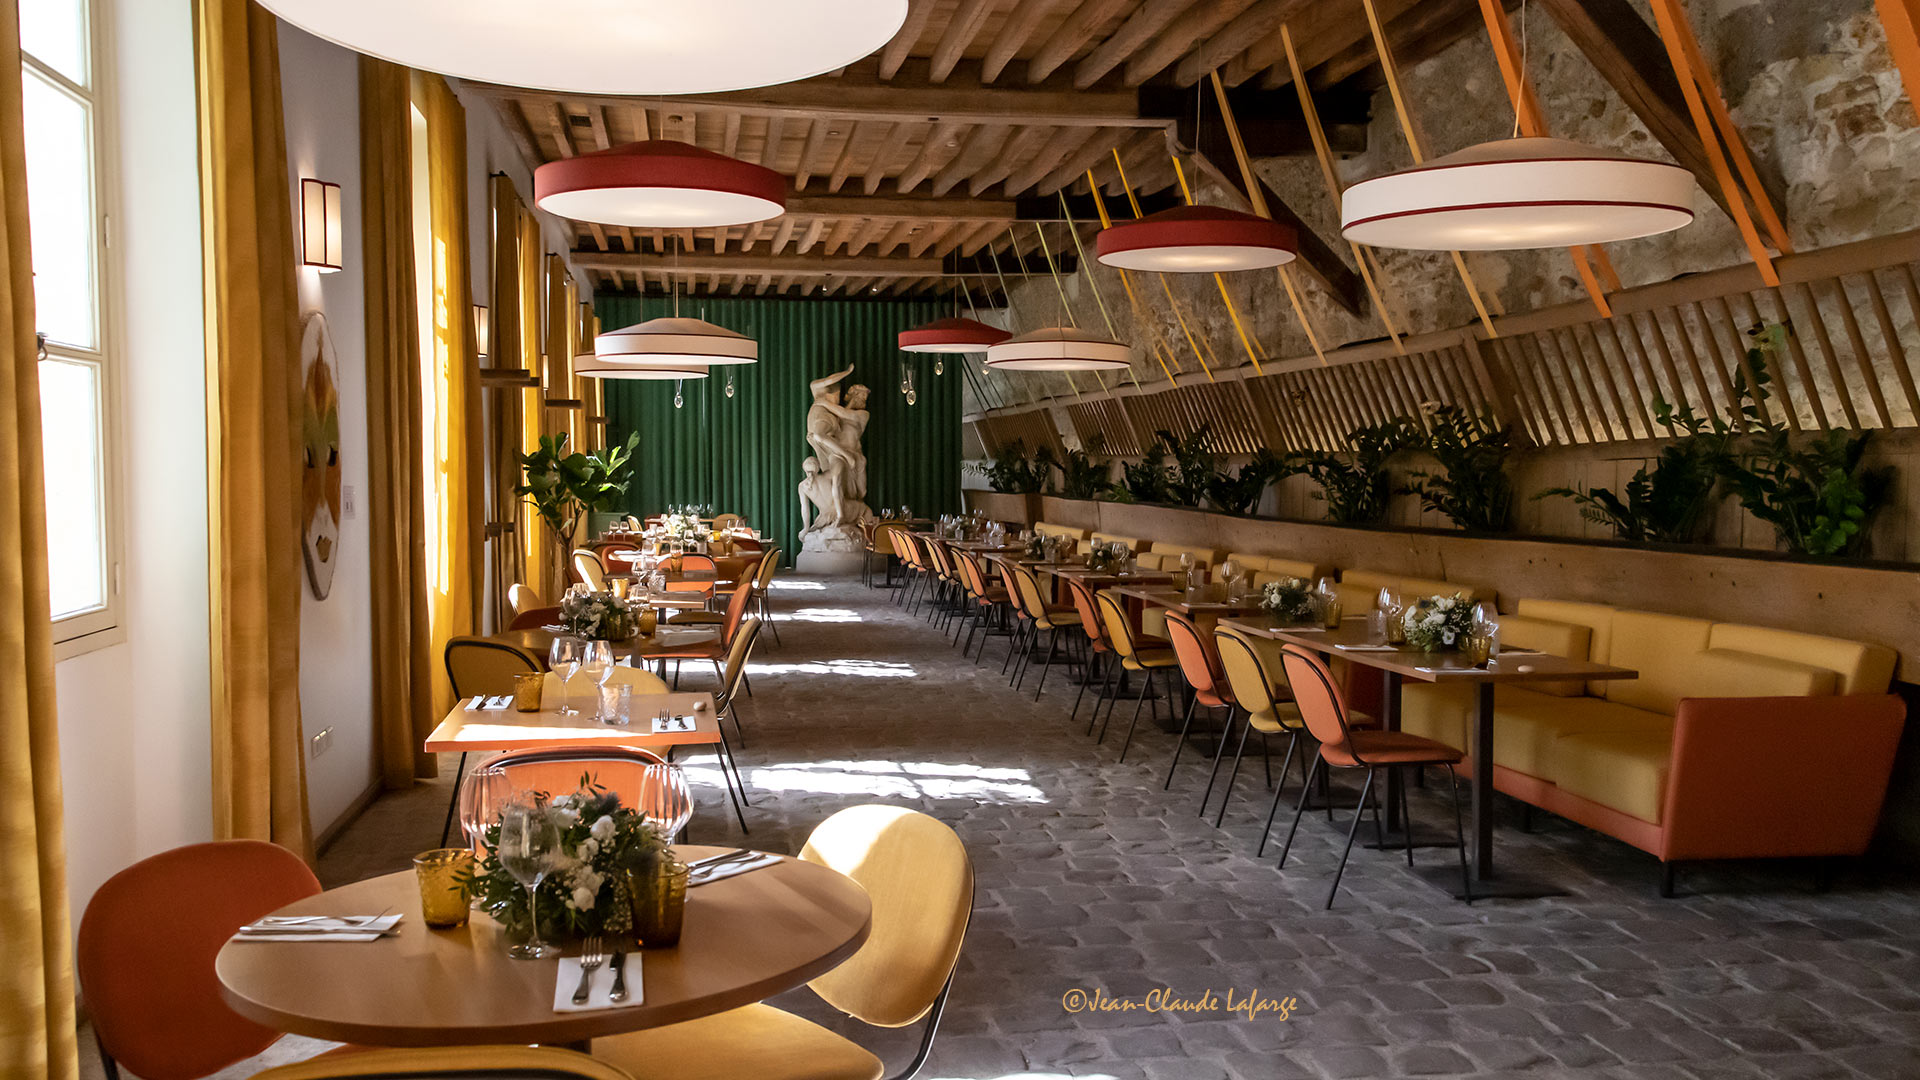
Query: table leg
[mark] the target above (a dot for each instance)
(1480, 843)
(1397, 828)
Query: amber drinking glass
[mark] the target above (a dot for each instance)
(527, 687)
(659, 892)
(1477, 648)
(443, 874)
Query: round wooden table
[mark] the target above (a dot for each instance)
(746, 938)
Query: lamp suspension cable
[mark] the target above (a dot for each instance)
(1093, 280)
(1014, 249)
(1179, 316)
(1140, 315)
(1059, 287)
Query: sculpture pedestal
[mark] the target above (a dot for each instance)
(836, 551)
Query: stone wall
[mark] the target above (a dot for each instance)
(1810, 83)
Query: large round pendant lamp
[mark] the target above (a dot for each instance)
(1058, 348)
(674, 342)
(608, 46)
(593, 367)
(1518, 193)
(1197, 239)
(659, 184)
(954, 335)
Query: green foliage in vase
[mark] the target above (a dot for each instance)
(1193, 472)
(565, 487)
(1083, 475)
(1354, 481)
(1240, 493)
(1474, 491)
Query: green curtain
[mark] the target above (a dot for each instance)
(743, 453)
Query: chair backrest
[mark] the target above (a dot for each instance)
(587, 568)
(449, 1063)
(942, 558)
(736, 611)
(693, 560)
(1083, 602)
(769, 566)
(1197, 659)
(633, 523)
(1119, 627)
(920, 880)
(535, 618)
(1255, 688)
(885, 536)
(642, 681)
(723, 522)
(972, 576)
(1322, 706)
(146, 949)
(1031, 598)
(523, 598)
(738, 651)
(640, 778)
(477, 665)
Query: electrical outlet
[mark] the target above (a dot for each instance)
(346, 501)
(321, 742)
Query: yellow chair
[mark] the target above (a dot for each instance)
(723, 522)
(477, 665)
(1260, 687)
(586, 567)
(633, 523)
(449, 1062)
(523, 599)
(917, 874)
(1038, 615)
(1145, 655)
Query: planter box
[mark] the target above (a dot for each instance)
(1022, 510)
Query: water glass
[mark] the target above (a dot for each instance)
(665, 799)
(616, 704)
(484, 793)
(443, 875)
(1477, 648)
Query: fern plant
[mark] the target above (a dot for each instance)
(1354, 481)
(1240, 493)
(1013, 470)
(1474, 491)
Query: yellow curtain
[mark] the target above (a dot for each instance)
(559, 347)
(36, 985)
(402, 649)
(253, 480)
(452, 445)
(505, 554)
(590, 389)
(536, 546)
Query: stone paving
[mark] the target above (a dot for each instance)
(1091, 878)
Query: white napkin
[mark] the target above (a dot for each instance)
(299, 928)
(1301, 629)
(483, 703)
(1368, 648)
(703, 875)
(568, 980)
(663, 725)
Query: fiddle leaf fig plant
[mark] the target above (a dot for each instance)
(565, 487)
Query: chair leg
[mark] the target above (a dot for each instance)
(1219, 752)
(1013, 647)
(1460, 836)
(1366, 792)
(1106, 680)
(1406, 818)
(458, 772)
(766, 616)
(1226, 796)
(1146, 685)
(722, 756)
(1293, 740)
(1053, 645)
(1181, 743)
(1306, 792)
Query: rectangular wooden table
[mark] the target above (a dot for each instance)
(667, 639)
(466, 729)
(1197, 607)
(1401, 663)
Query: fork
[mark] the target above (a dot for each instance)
(591, 958)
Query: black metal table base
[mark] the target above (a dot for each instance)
(1423, 837)
(1501, 887)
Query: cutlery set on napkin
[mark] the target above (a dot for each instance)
(612, 985)
(730, 864)
(664, 724)
(482, 702)
(319, 928)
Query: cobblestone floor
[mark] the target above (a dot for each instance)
(1091, 877)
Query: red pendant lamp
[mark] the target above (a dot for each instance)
(955, 335)
(659, 184)
(1197, 239)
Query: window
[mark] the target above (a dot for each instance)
(63, 141)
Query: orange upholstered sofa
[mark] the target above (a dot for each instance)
(1735, 741)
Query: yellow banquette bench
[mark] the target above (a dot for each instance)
(1360, 589)
(1133, 542)
(1163, 556)
(1734, 742)
(1272, 567)
(1048, 528)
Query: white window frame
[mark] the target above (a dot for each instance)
(99, 627)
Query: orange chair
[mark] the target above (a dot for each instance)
(1097, 649)
(639, 778)
(1200, 665)
(146, 949)
(713, 651)
(1323, 708)
(986, 601)
(478, 665)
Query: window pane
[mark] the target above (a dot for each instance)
(76, 525)
(54, 32)
(60, 208)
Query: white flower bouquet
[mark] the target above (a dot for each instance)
(1290, 599)
(586, 890)
(1434, 623)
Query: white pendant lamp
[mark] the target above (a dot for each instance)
(593, 367)
(955, 335)
(608, 46)
(659, 184)
(1518, 193)
(1197, 239)
(1059, 348)
(674, 342)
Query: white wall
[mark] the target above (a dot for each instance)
(134, 737)
(320, 88)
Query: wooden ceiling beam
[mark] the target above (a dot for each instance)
(1246, 31)
(922, 165)
(894, 53)
(1074, 32)
(918, 207)
(1201, 29)
(695, 263)
(889, 149)
(981, 146)
(1272, 123)
(964, 25)
(1319, 31)
(1013, 35)
(1025, 143)
(1151, 17)
(810, 151)
(1629, 55)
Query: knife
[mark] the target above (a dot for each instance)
(619, 966)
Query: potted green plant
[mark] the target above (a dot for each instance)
(1474, 490)
(565, 487)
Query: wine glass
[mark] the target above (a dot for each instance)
(564, 657)
(665, 799)
(529, 839)
(596, 662)
(482, 796)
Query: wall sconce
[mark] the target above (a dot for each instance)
(481, 331)
(320, 243)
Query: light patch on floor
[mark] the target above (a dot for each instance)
(822, 614)
(922, 779)
(873, 668)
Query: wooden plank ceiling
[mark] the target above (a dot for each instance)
(915, 167)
